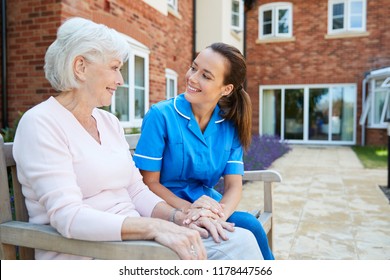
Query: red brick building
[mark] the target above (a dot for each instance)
(307, 63)
(161, 39)
(312, 65)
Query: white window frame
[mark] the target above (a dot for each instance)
(274, 8)
(136, 50)
(371, 104)
(239, 14)
(170, 75)
(173, 4)
(347, 28)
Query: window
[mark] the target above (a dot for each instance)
(309, 113)
(237, 15)
(131, 100)
(171, 83)
(376, 107)
(275, 20)
(346, 16)
(378, 102)
(173, 4)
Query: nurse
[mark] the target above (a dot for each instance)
(189, 142)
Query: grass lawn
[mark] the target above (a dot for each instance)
(372, 157)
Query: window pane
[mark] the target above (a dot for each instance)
(356, 15)
(318, 114)
(125, 73)
(267, 22)
(171, 88)
(139, 71)
(271, 116)
(293, 108)
(283, 18)
(338, 16)
(122, 104)
(379, 100)
(235, 20)
(342, 119)
(139, 103)
(357, 7)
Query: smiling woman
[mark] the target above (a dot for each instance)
(74, 163)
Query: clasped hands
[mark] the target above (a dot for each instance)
(207, 217)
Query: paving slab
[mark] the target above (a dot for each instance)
(328, 206)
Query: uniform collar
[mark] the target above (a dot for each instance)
(183, 108)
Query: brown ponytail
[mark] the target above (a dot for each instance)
(237, 106)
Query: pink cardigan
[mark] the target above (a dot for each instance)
(82, 188)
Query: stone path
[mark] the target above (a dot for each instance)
(328, 207)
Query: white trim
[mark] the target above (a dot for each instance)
(151, 158)
(177, 110)
(386, 83)
(235, 161)
(137, 49)
(275, 8)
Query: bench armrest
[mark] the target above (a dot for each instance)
(45, 237)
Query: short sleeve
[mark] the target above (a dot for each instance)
(148, 154)
(235, 164)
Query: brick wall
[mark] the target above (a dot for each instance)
(313, 59)
(32, 27)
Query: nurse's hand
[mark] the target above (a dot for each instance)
(207, 203)
(193, 214)
(216, 228)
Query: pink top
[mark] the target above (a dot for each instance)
(82, 188)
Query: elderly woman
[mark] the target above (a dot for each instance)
(74, 163)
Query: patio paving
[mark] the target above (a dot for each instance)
(328, 207)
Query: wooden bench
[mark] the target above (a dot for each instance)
(19, 238)
(268, 177)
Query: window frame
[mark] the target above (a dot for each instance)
(239, 14)
(170, 75)
(347, 28)
(371, 123)
(173, 4)
(306, 88)
(136, 50)
(275, 8)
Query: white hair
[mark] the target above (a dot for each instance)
(81, 37)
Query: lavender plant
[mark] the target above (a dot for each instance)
(264, 150)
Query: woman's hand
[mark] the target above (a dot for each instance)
(207, 203)
(215, 227)
(186, 242)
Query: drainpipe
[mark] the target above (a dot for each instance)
(248, 5)
(4, 64)
(193, 29)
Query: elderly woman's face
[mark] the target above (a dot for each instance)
(102, 80)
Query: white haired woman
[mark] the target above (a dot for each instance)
(75, 167)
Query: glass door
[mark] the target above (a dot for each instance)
(293, 114)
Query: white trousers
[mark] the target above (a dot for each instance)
(242, 245)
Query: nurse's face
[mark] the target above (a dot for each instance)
(205, 78)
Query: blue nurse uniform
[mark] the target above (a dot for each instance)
(191, 162)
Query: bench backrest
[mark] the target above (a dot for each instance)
(12, 203)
